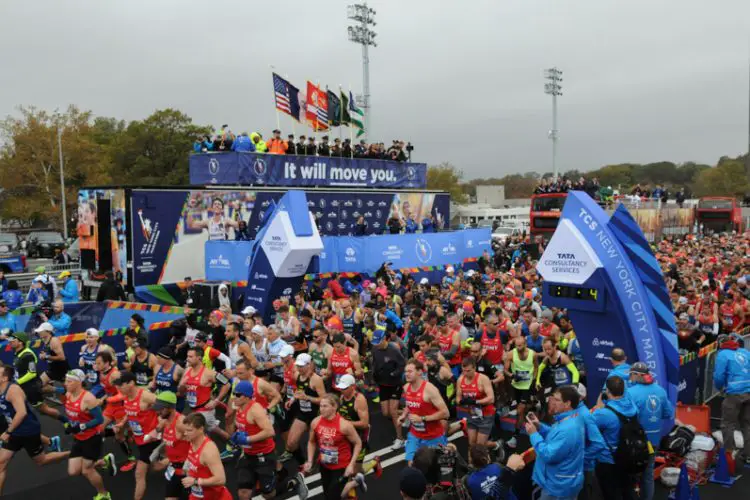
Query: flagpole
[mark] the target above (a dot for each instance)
(351, 128)
(278, 119)
(286, 77)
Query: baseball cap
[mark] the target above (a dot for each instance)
(166, 352)
(639, 367)
(45, 327)
(249, 311)
(40, 269)
(20, 336)
(377, 337)
(244, 388)
(201, 337)
(449, 269)
(166, 399)
(470, 273)
(258, 330)
(345, 382)
(412, 483)
(424, 281)
(682, 301)
(286, 351)
(683, 317)
(91, 332)
(76, 374)
(63, 274)
(303, 359)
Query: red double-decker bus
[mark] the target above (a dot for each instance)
(719, 214)
(545, 213)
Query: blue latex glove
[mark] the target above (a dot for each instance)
(240, 439)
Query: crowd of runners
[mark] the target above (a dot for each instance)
(279, 400)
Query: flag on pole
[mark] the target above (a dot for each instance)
(334, 109)
(357, 115)
(317, 107)
(346, 118)
(287, 97)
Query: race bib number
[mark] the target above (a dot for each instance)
(418, 426)
(192, 399)
(196, 491)
(136, 428)
(329, 456)
(305, 405)
(289, 392)
(169, 473)
(523, 376)
(561, 377)
(91, 377)
(476, 412)
(141, 378)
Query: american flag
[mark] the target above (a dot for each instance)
(287, 96)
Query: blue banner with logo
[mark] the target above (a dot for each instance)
(292, 170)
(229, 260)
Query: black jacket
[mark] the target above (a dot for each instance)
(110, 290)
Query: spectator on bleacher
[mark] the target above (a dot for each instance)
(243, 144)
(346, 148)
(427, 225)
(291, 147)
(223, 139)
(373, 152)
(7, 320)
(110, 289)
(411, 225)
(336, 148)
(680, 197)
(242, 233)
(323, 148)
(310, 148)
(69, 289)
(657, 193)
(360, 150)
(12, 295)
(37, 293)
(300, 148)
(360, 227)
(395, 224)
(260, 144)
(203, 144)
(277, 145)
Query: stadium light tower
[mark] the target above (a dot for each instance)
(363, 35)
(554, 89)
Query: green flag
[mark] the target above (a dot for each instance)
(357, 115)
(346, 118)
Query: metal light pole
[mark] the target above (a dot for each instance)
(62, 184)
(364, 36)
(554, 89)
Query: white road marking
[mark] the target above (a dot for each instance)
(379, 453)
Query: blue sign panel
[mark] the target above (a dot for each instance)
(291, 170)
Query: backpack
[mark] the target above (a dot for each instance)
(632, 453)
(678, 440)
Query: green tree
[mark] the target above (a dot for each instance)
(728, 178)
(447, 177)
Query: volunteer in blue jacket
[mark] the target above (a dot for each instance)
(654, 408)
(596, 449)
(13, 296)
(69, 290)
(59, 320)
(7, 320)
(559, 448)
(612, 481)
(732, 376)
(620, 368)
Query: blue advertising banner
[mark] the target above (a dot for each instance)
(228, 260)
(187, 219)
(291, 170)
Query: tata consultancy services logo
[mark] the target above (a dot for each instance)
(351, 255)
(219, 263)
(423, 250)
(259, 167)
(213, 166)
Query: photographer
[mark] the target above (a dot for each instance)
(491, 479)
(58, 318)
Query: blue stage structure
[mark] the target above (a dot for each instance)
(229, 260)
(603, 271)
(233, 168)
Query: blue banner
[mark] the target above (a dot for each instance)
(227, 260)
(291, 170)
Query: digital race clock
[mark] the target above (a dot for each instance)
(573, 292)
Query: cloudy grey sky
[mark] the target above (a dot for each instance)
(645, 80)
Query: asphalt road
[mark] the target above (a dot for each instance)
(25, 481)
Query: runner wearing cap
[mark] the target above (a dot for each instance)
(337, 444)
(353, 407)
(176, 446)
(259, 349)
(52, 352)
(25, 364)
(142, 421)
(197, 383)
(168, 374)
(425, 409)
(83, 419)
(89, 350)
(23, 430)
(308, 389)
(143, 363)
(253, 431)
(205, 475)
(114, 407)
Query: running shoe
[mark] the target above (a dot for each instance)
(359, 478)
(397, 444)
(286, 456)
(226, 454)
(109, 464)
(464, 427)
(512, 442)
(54, 444)
(302, 490)
(103, 496)
(129, 465)
(378, 469)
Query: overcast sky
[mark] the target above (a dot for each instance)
(644, 80)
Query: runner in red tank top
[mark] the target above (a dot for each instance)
(253, 432)
(338, 445)
(197, 383)
(142, 421)
(425, 409)
(343, 360)
(450, 346)
(205, 475)
(492, 343)
(476, 402)
(114, 408)
(83, 418)
(176, 446)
